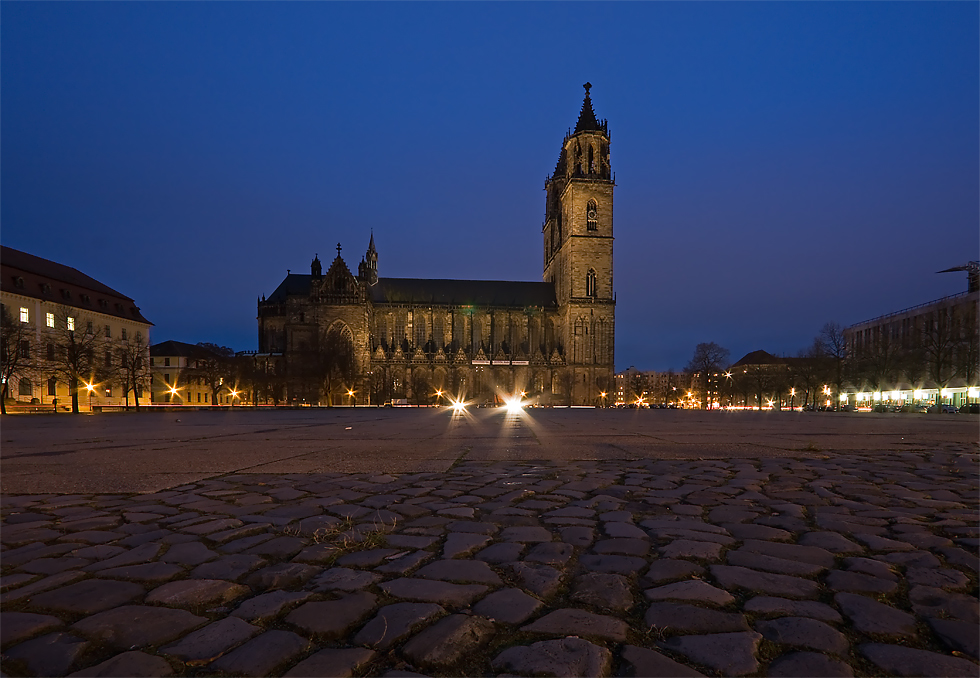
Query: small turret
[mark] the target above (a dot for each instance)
(368, 268)
(316, 270)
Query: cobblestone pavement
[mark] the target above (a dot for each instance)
(852, 564)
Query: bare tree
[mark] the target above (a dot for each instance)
(15, 358)
(211, 364)
(134, 368)
(807, 368)
(939, 344)
(968, 349)
(334, 362)
(421, 388)
(77, 341)
(879, 362)
(708, 358)
(833, 343)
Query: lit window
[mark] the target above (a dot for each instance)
(25, 315)
(71, 324)
(49, 319)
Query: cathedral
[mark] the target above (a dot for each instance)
(337, 337)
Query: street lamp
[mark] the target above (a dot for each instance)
(603, 396)
(350, 396)
(438, 396)
(792, 399)
(90, 388)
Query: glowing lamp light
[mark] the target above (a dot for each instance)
(944, 393)
(514, 405)
(90, 387)
(877, 395)
(459, 406)
(173, 390)
(918, 394)
(973, 393)
(843, 397)
(896, 395)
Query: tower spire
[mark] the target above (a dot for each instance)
(587, 121)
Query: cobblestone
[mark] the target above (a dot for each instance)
(87, 597)
(262, 654)
(207, 644)
(733, 654)
(804, 632)
(568, 622)
(511, 606)
(568, 657)
(49, 655)
(448, 641)
(185, 579)
(129, 664)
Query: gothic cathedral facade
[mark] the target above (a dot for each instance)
(341, 338)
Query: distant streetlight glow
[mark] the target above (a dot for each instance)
(514, 405)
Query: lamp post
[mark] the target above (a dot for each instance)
(90, 388)
(792, 399)
(350, 397)
(439, 396)
(603, 396)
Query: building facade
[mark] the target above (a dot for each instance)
(192, 375)
(927, 353)
(68, 333)
(336, 337)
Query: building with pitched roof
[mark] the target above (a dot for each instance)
(337, 337)
(73, 334)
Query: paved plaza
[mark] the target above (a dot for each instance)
(552, 543)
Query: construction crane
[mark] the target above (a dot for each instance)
(972, 269)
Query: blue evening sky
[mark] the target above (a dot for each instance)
(778, 165)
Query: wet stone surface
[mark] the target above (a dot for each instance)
(847, 565)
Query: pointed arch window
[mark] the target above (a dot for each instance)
(590, 290)
(592, 216)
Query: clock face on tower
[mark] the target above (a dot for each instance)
(591, 213)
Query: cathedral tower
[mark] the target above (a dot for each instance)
(578, 255)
